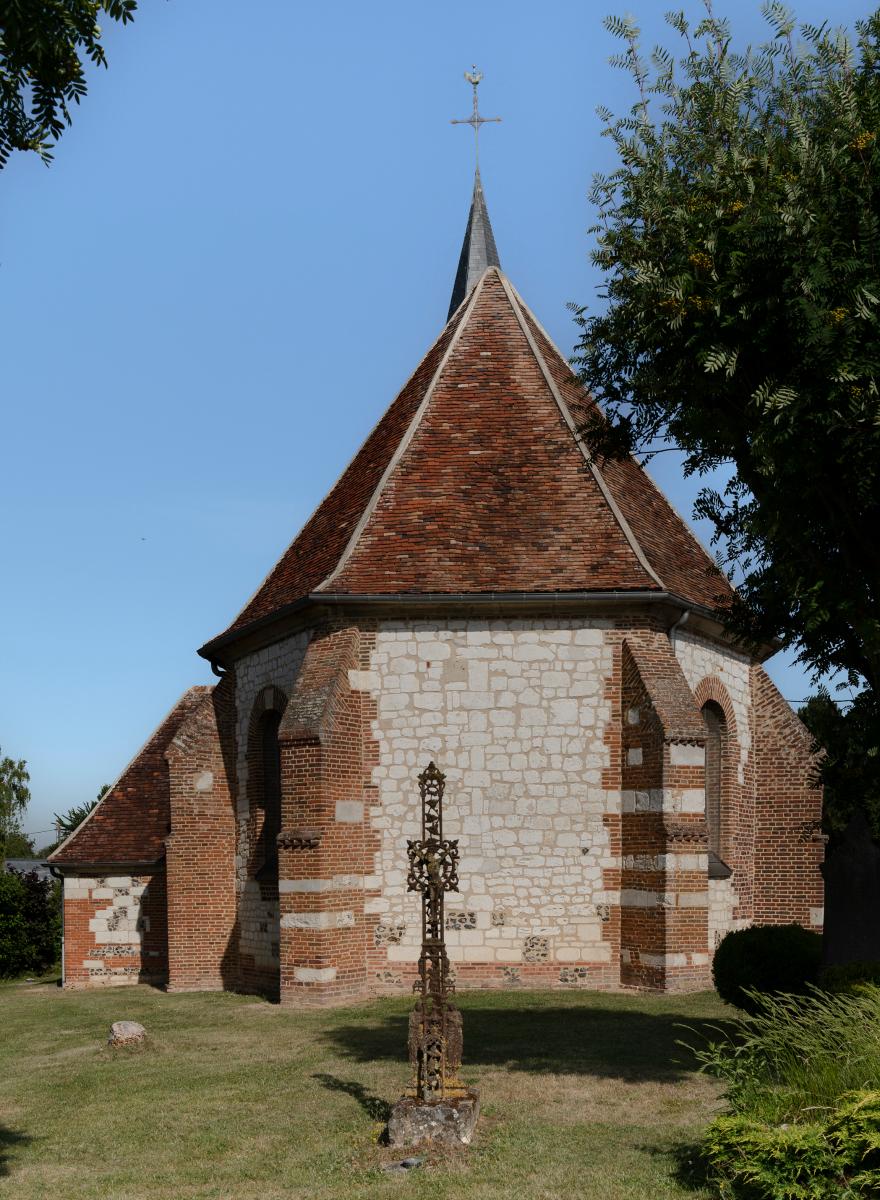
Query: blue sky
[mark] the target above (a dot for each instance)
(245, 244)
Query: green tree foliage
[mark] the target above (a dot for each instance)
(14, 797)
(30, 923)
(44, 45)
(740, 237)
(67, 822)
(851, 764)
(19, 845)
(75, 816)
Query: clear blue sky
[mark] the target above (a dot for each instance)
(245, 244)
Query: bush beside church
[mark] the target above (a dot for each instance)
(30, 923)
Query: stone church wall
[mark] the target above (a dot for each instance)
(200, 850)
(326, 759)
(258, 913)
(770, 810)
(723, 905)
(115, 929)
(700, 660)
(664, 833)
(723, 675)
(550, 744)
(515, 713)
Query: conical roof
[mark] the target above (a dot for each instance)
(478, 249)
(475, 483)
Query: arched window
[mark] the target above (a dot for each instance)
(269, 791)
(716, 735)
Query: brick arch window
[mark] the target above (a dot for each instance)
(716, 743)
(264, 783)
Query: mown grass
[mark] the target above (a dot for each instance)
(236, 1099)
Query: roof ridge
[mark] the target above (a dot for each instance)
(518, 305)
(692, 533)
(405, 441)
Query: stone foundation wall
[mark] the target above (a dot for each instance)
(115, 929)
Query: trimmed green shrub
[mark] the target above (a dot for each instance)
(854, 1131)
(30, 923)
(748, 1159)
(845, 976)
(822, 1160)
(802, 1079)
(765, 958)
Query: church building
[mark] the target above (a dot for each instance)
(625, 782)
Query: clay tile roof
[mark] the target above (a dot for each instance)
(131, 822)
(474, 481)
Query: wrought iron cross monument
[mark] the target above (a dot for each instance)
(435, 1035)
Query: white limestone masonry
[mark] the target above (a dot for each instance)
(514, 712)
(117, 927)
(722, 902)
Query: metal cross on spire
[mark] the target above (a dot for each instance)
(475, 120)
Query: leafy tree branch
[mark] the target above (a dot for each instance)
(14, 797)
(44, 48)
(740, 238)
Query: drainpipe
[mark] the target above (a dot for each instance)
(674, 628)
(59, 876)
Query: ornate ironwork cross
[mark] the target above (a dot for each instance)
(475, 120)
(435, 1039)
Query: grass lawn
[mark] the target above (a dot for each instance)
(584, 1095)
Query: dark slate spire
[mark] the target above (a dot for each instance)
(478, 250)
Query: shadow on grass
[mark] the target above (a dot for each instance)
(9, 1138)
(615, 1043)
(689, 1168)
(376, 1108)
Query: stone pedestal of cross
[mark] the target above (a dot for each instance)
(437, 1107)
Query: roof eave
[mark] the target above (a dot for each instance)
(86, 865)
(231, 645)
